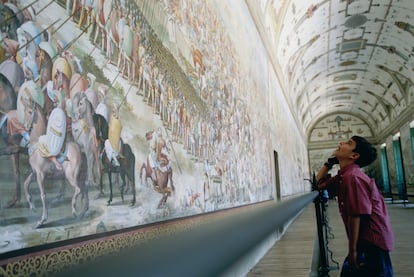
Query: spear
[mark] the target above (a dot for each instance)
(172, 147)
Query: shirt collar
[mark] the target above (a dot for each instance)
(347, 168)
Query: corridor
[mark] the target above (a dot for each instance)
(292, 254)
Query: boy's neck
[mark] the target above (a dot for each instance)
(345, 162)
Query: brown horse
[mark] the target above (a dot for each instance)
(163, 175)
(126, 169)
(44, 61)
(35, 121)
(8, 102)
(78, 83)
(8, 49)
(10, 21)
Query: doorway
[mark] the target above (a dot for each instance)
(277, 178)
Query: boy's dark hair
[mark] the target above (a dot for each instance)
(367, 152)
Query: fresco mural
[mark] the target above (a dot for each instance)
(140, 106)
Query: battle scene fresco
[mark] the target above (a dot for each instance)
(120, 113)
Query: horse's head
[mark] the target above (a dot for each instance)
(30, 69)
(44, 62)
(26, 107)
(29, 39)
(45, 53)
(23, 40)
(9, 19)
(30, 98)
(77, 83)
(29, 14)
(7, 94)
(27, 50)
(101, 128)
(80, 106)
(29, 113)
(61, 73)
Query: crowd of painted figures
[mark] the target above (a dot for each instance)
(200, 108)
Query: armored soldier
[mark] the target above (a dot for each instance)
(113, 143)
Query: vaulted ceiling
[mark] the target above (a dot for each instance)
(342, 61)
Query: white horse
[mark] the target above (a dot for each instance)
(29, 40)
(35, 121)
(84, 133)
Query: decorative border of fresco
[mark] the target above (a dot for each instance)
(70, 253)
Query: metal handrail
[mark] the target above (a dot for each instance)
(206, 250)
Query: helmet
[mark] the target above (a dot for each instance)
(62, 65)
(17, 12)
(32, 66)
(49, 49)
(35, 91)
(31, 28)
(102, 109)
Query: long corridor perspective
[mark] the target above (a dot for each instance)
(190, 129)
(293, 255)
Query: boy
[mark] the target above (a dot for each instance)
(362, 208)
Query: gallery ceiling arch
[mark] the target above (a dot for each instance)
(343, 62)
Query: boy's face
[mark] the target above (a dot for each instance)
(345, 150)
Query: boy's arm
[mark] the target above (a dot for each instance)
(353, 234)
(323, 171)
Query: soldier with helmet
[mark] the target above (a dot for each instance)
(113, 143)
(60, 89)
(51, 144)
(158, 159)
(61, 73)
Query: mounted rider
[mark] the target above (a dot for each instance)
(113, 143)
(51, 145)
(158, 159)
(102, 108)
(12, 76)
(14, 118)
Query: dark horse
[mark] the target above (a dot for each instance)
(163, 174)
(126, 169)
(127, 162)
(9, 20)
(8, 102)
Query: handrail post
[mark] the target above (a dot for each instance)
(323, 257)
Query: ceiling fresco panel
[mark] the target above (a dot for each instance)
(342, 56)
